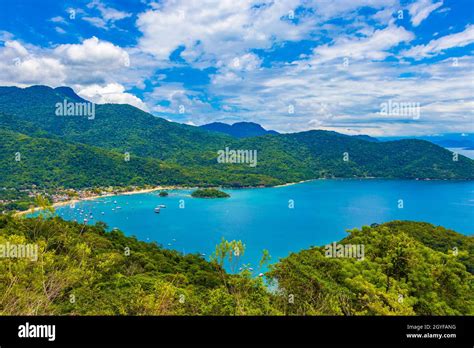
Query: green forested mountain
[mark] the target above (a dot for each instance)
(238, 129)
(122, 128)
(186, 154)
(85, 270)
(54, 163)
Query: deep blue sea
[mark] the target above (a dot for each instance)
(262, 218)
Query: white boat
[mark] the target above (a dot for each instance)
(157, 210)
(162, 206)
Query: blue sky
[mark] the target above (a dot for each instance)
(289, 65)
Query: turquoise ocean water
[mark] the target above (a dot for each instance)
(263, 218)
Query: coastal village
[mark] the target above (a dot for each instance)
(23, 199)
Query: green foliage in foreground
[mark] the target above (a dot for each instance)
(85, 270)
(401, 274)
(209, 193)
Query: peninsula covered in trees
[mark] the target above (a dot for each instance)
(209, 193)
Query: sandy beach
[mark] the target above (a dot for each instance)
(294, 183)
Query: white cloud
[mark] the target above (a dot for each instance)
(373, 47)
(19, 67)
(179, 102)
(108, 15)
(60, 30)
(327, 96)
(17, 47)
(38, 70)
(421, 9)
(215, 32)
(92, 62)
(94, 52)
(226, 35)
(245, 62)
(5, 35)
(58, 19)
(436, 47)
(95, 21)
(110, 93)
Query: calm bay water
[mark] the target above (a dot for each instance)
(261, 218)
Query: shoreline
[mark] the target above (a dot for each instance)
(295, 183)
(125, 193)
(177, 187)
(90, 198)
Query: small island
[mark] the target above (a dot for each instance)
(163, 194)
(209, 193)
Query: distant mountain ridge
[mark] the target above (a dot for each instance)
(178, 154)
(238, 129)
(448, 140)
(366, 138)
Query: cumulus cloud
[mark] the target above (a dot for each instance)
(19, 67)
(348, 99)
(110, 93)
(91, 67)
(94, 52)
(17, 48)
(216, 31)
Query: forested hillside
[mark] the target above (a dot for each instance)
(79, 152)
(88, 270)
